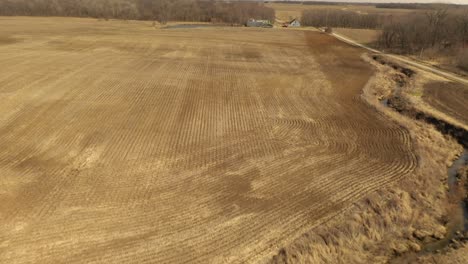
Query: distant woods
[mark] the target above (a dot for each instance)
(436, 30)
(425, 6)
(157, 10)
(340, 18)
(429, 34)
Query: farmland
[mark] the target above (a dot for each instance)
(286, 11)
(364, 36)
(124, 143)
(448, 98)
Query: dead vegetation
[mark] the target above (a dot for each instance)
(462, 60)
(368, 37)
(131, 149)
(340, 18)
(448, 97)
(4, 40)
(234, 12)
(286, 11)
(126, 143)
(394, 223)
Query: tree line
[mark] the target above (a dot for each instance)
(157, 10)
(433, 29)
(425, 6)
(438, 28)
(439, 31)
(340, 18)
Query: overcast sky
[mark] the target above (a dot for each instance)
(401, 1)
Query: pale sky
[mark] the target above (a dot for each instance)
(401, 1)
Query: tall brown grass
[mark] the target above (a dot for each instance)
(462, 59)
(394, 221)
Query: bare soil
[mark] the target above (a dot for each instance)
(125, 143)
(4, 40)
(448, 97)
(395, 222)
(285, 11)
(368, 37)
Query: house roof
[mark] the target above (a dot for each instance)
(295, 19)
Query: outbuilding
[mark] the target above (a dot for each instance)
(294, 23)
(258, 23)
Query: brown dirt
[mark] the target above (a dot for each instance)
(448, 97)
(388, 223)
(368, 37)
(122, 143)
(4, 40)
(286, 11)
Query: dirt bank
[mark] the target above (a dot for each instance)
(448, 97)
(396, 221)
(400, 101)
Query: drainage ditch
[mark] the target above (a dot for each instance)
(457, 225)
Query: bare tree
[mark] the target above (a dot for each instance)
(436, 21)
(340, 18)
(160, 10)
(462, 28)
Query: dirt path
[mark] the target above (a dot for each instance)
(405, 60)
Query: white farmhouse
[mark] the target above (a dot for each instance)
(294, 23)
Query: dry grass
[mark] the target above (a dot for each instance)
(126, 143)
(7, 40)
(289, 11)
(462, 60)
(439, 98)
(368, 37)
(393, 221)
(456, 256)
(449, 98)
(450, 59)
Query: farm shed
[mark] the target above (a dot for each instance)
(294, 23)
(258, 23)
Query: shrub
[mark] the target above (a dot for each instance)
(462, 62)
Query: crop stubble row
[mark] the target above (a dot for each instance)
(449, 98)
(128, 144)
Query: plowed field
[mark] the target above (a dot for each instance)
(449, 98)
(122, 143)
